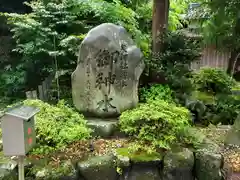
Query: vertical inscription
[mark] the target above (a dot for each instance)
(107, 60)
(123, 65)
(88, 85)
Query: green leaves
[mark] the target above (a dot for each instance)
(219, 28)
(57, 126)
(213, 80)
(56, 28)
(156, 92)
(155, 124)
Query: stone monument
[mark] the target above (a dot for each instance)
(105, 82)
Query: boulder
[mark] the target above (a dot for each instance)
(8, 169)
(143, 171)
(105, 82)
(98, 168)
(178, 165)
(208, 165)
(208, 161)
(233, 136)
(209, 146)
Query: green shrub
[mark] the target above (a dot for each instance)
(206, 98)
(199, 103)
(226, 109)
(174, 63)
(198, 109)
(219, 108)
(154, 125)
(57, 126)
(213, 80)
(156, 92)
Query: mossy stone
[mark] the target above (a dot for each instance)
(8, 168)
(140, 156)
(233, 136)
(208, 165)
(98, 168)
(178, 165)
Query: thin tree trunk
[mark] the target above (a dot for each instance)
(235, 50)
(231, 61)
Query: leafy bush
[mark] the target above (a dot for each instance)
(57, 126)
(213, 80)
(199, 104)
(156, 92)
(219, 108)
(226, 109)
(197, 108)
(214, 89)
(175, 62)
(154, 125)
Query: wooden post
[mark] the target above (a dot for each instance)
(34, 94)
(44, 86)
(40, 91)
(29, 94)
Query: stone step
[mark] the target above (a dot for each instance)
(104, 128)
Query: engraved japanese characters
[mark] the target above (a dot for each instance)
(105, 81)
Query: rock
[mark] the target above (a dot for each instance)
(209, 146)
(98, 168)
(65, 170)
(123, 161)
(103, 128)
(208, 165)
(105, 82)
(233, 136)
(143, 171)
(8, 169)
(178, 165)
(208, 161)
(42, 173)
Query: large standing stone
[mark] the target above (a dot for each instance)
(105, 82)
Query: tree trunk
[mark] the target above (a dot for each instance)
(231, 62)
(159, 26)
(235, 50)
(159, 23)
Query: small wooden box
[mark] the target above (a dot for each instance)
(18, 130)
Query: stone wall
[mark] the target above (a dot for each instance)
(181, 164)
